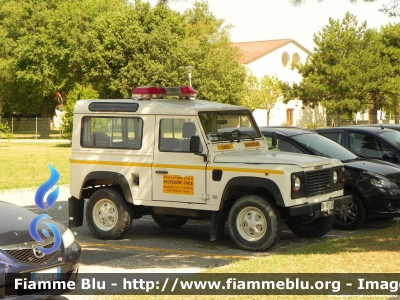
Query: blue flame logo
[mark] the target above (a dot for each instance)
(50, 200)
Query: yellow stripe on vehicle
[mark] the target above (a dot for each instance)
(227, 169)
(109, 163)
(187, 167)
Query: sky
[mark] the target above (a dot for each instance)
(260, 20)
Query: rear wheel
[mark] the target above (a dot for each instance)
(170, 221)
(107, 214)
(310, 226)
(254, 224)
(352, 216)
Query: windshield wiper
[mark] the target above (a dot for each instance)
(233, 135)
(248, 135)
(223, 136)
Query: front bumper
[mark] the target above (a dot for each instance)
(315, 208)
(67, 259)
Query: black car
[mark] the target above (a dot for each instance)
(367, 141)
(374, 184)
(390, 126)
(22, 261)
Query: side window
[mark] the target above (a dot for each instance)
(175, 134)
(288, 147)
(108, 132)
(367, 145)
(334, 136)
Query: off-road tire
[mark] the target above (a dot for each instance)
(254, 223)
(108, 216)
(351, 216)
(311, 227)
(169, 221)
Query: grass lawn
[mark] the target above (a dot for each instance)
(377, 251)
(25, 165)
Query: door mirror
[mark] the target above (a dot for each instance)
(196, 148)
(195, 144)
(392, 157)
(274, 140)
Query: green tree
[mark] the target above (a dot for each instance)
(49, 46)
(391, 8)
(348, 72)
(391, 41)
(79, 92)
(263, 94)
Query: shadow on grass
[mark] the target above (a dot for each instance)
(379, 236)
(64, 145)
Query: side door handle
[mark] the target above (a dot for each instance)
(161, 172)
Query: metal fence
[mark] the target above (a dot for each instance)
(31, 128)
(334, 121)
(49, 128)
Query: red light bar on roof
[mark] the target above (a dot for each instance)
(153, 92)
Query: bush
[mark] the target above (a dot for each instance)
(4, 129)
(312, 126)
(79, 92)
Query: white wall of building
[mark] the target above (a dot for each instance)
(271, 64)
(278, 63)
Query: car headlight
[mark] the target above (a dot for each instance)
(379, 180)
(335, 177)
(297, 183)
(68, 238)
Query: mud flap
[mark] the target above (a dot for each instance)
(75, 208)
(217, 225)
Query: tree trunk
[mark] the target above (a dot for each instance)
(44, 121)
(372, 115)
(268, 111)
(396, 109)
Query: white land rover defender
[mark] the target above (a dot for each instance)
(177, 159)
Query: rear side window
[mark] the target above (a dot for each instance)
(334, 136)
(367, 145)
(109, 132)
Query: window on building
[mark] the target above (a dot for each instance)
(285, 59)
(289, 116)
(295, 58)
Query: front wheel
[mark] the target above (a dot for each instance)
(107, 214)
(311, 227)
(352, 216)
(169, 221)
(254, 224)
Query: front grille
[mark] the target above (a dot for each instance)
(318, 182)
(27, 255)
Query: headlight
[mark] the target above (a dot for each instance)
(379, 180)
(335, 176)
(297, 183)
(68, 238)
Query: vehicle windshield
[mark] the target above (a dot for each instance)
(323, 146)
(393, 137)
(229, 125)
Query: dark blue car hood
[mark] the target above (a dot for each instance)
(14, 224)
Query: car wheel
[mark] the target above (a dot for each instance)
(169, 221)
(311, 227)
(107, 214)
(254, 224)
(352, 216)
